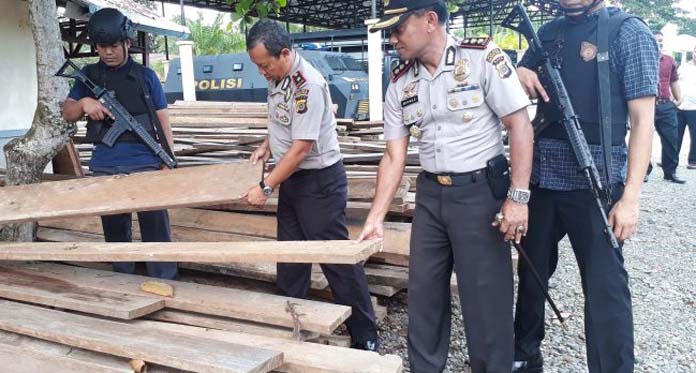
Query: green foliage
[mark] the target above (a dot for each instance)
(656, 13)
(208, 39)
(262, 8)
(213, 39)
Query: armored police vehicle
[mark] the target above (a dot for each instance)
(233, 77)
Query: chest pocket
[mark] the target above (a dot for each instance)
(467, 97)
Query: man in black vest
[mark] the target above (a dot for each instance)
(561, 202)
(138, 89)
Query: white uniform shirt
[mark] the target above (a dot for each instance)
(687, 83)
(458, 108)
(299, 108)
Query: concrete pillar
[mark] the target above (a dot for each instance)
(375, 59)
(188, 83)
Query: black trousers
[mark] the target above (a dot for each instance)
(311, 206)
(608, 312)
(666, 124)
(452, 228)
(687, 118)
(154, 227)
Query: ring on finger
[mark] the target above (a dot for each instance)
(499, 217)
(521, 228)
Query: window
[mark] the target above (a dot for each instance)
(207, 69)
(237, 67)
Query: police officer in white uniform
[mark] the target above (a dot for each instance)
(312, 200)
(451, 96)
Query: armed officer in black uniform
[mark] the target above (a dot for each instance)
(138, 89)
(561, 201)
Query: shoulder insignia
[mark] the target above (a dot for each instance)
(450, 55)
(299, 79)
(401, 69)
(475, 43)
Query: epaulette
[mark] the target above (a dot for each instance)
(298, 79)
(475, 43)
(401, 69)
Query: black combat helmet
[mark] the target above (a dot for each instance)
(108, 26)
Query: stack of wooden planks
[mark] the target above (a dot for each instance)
(67, 318)
(207, 132)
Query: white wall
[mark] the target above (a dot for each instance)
(17, 72)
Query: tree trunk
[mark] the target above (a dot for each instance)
(28, 156)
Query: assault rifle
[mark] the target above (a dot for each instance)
(124, 122)
(550, 76)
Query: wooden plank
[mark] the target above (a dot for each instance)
(67, 161)
(397, 236)
(332, 252)
(121, 339)
(38, 289)
(39, 346)
(90, 229)
(211, 300)
(256, 271)
(16, 360)
(384, 290)
(299, 356)
(136, 192)
(225, 323)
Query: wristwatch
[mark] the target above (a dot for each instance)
(266, 189)
(519, 195)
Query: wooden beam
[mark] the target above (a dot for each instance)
(182, 187)
(16, 360)
(158, 346)
(332, 252)
(302, 357)
(211, 300)
(38, 289)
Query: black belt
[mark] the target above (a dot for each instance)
(457, 179)
(660, 101)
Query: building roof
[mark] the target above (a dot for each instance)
(346, 14)
(144, 19)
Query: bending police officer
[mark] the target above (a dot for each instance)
(313, 186)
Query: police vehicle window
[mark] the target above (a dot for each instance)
(335, 63)
(237, 67)
(208, 68)
(352, 64)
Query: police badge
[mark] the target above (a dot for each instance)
(300, 104)
(588, 51)
(411, 89)
(415, 131)
(462, 69)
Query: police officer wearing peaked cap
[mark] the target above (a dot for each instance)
(451, 96)
(138, 89)
(310, 175)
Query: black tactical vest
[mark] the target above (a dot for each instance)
(574, 44)
(130, 92)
